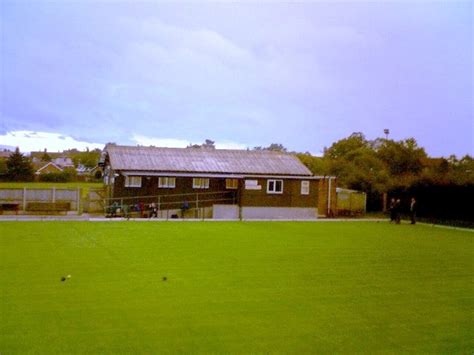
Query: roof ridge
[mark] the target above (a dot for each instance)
(265, 151)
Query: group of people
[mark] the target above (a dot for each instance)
(144, 210)
(396, 210)
(116, 210)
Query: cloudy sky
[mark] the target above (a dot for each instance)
(83, 73)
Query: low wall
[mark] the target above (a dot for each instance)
(279, 213)
(225, 212)
(201, 213)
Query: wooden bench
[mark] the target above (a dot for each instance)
(48, 207)
(9, 207)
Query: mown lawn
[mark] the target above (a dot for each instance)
(235, 288)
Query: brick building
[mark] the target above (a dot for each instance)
(246, 184)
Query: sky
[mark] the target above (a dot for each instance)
(303, 74)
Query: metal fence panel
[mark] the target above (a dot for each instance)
(39, 195)
(66, 195)
(11, 194)
(93, 202)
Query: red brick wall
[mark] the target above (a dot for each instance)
(291, 196)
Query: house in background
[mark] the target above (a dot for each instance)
(217, 183)
(56, 164)
(5, 153)
(63, 162)
(42, 168)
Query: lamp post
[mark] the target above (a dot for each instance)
(384, 196)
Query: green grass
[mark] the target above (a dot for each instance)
(48, 185)
(235, 288)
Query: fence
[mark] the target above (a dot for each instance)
(186, 205)
(350, 202)
(94, 201)
(80, 200)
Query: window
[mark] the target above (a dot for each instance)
(167, 182)
(200, 183)
(274, 186)
(133, 181)
(305, 187)
(252, 185)
(231, 184)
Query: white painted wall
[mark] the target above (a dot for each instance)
(279, 213)
(225, 212)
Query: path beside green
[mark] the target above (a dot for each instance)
(234, 287)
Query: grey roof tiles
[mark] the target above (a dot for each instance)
(201, 160)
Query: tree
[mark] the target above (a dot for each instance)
(274, 147)
(354, 162)
(462, 172)
(190, 145)
(317, 165)
(67, 175)
(347, 148)
(19, 167)
(208, 144)
(402, 157)
(88, 158)
(3, 167)
(46, 157)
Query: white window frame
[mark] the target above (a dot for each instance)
(133, 181)
(231, 184)
(200, 183)
(252, 185)
(166, 182)
(305, 187)
(274, 191)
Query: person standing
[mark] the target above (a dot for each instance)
(392, 210)
(184, 208)
(153, 210)
(398, 211)
(413, 210)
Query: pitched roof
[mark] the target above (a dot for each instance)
(43, 165)
(199, 160)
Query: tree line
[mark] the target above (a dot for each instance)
(444, 186)
(382, 164)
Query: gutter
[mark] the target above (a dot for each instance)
(211, 175)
